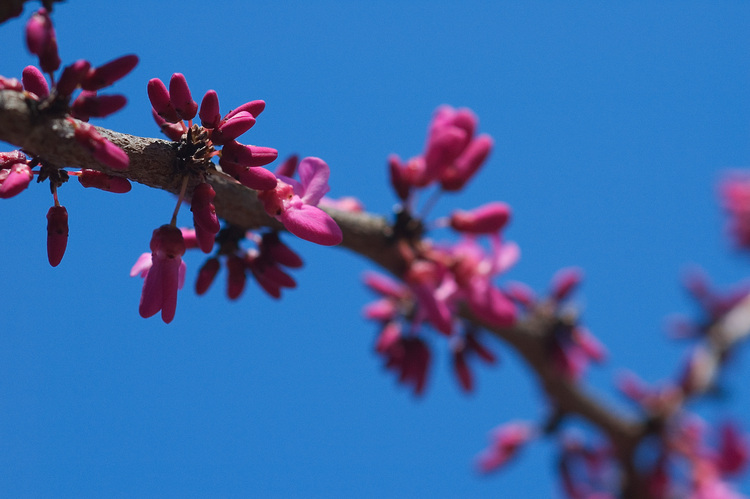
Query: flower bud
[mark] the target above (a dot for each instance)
(254, 107)
(14, 179)
(179, 96)
(486, 219)
(206, 275)
(106, 74)
(57, 234)
(209, 111)
(100, 180)
(35, 82)
(72, 76)
(160, 100)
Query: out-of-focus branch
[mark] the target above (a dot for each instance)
(152, 163)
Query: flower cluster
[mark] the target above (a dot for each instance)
(442, 281)
(54, 99)
(292, 202)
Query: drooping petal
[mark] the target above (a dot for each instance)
(314, 174)
(311, 224)
(141, 266)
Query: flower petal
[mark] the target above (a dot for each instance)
(311, 224)
(314, 173)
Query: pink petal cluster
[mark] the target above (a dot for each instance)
(163, 271)
(171, 106)
(294, 204)
(452, 155)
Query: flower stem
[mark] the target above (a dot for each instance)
(173, 223)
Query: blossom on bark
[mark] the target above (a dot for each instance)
(294, 204)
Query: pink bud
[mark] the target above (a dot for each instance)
(289, 167)
(564, 282)
(399, 178)
(160, 100)
(100, 180)
(487, 219)
(254, 177)
(88, 105)
(381, 310)
(254, 107)
(14, 179)
(49, 60)
(206, 275)
(204, 213)
(72, 76)
(57, 234)
(236, 276)
(107, 74)
(232, 128)
(271, 246)
(389, 335)
(173, 131)
(463, 373)
(206, 239)
(455, 176)
(35, 82)
(100, 148)
(243, 155)
(179, 95)
(209, 111)
(39, 32)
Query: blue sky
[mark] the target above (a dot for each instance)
(613, 124)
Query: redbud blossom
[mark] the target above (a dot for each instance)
(39, 31)
(457, 174)
(242, 155)
(236, 276)
(295, 205)
(232, 128)
(209, 110)
(41, 40)
(254, 107)
(57, 234)
(179, 96)
(35, 82)
(166, 274)
(564, 282)
(100, 180)
(106, 74)
(206, 275)
(204, 216)
(268, 274)
(410, 358)
(14, 179)
(506, 442)
(160, 100)
(100, 148)
(89, 105)
(486, 219)
(289, 167)
(72, 77)
(173, 131)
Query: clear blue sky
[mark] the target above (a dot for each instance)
(613, 122)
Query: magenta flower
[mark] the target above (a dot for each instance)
(294, 204)
(164, 275)
(506, 442)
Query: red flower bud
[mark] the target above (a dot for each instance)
(57, 234)
(179, 96)
(35, 82)
(108, 73)
(206, 275)
(100, 180)
(72, 76)
(486, 219)
(209, 111)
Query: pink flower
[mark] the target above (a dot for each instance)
(506, 440)
(165, 274)
(14, 179)
(294, 204)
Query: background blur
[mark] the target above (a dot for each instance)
(613, 124)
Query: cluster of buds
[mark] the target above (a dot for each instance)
(441, 281)
(292, 202)
(54, 99)
(452, 155)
